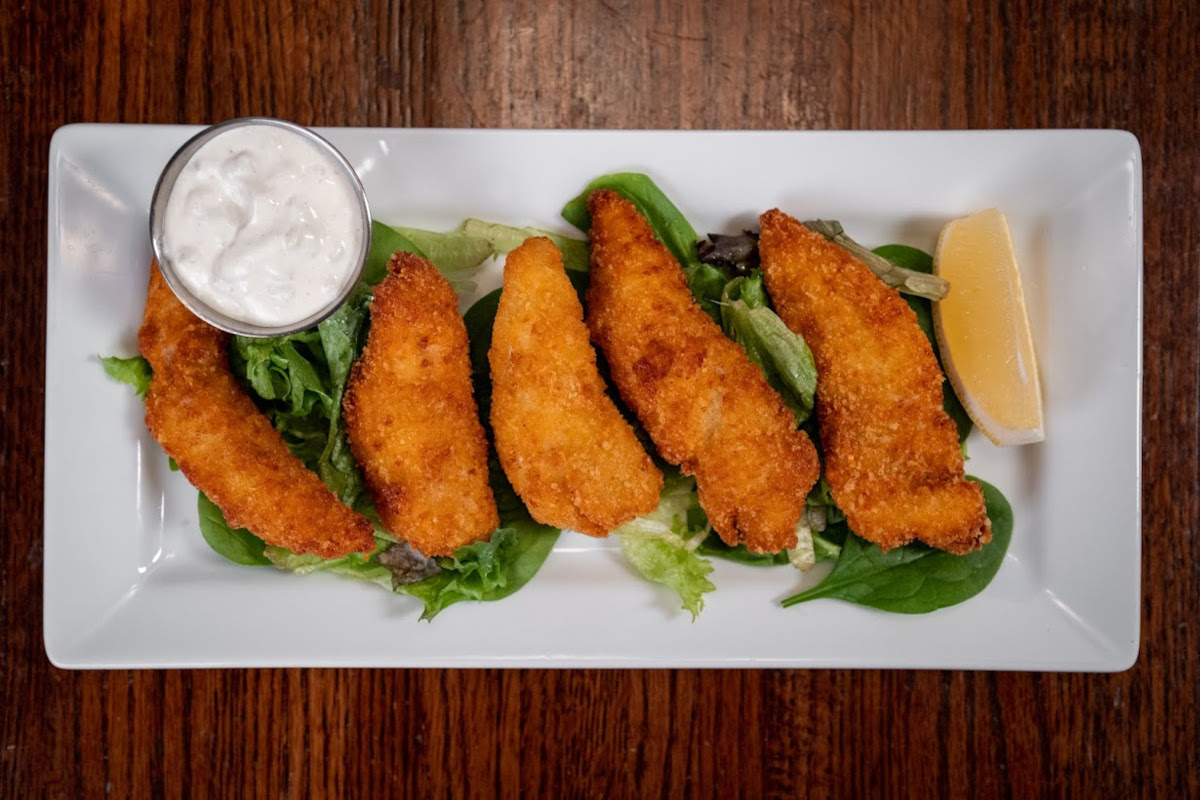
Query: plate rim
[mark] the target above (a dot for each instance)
(1118, 661)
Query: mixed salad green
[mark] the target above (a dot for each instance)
(298, 382)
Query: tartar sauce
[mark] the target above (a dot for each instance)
(263, 226)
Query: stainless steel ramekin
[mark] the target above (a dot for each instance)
(158, 211)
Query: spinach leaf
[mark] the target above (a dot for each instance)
(236, 544)
(920, 261)
(670, 226)
(478, 321)
(782, 355)
(714, 546)
(915, 579)
(384, 242)
(134, 371)
(818, 546)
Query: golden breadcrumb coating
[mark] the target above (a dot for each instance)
(225, 446)
(411, 416)
(892, 457)
(707, 407)
(563, 444)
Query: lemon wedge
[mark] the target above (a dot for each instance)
(983, 330)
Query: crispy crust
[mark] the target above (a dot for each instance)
(707, 407)
(411, 416)
(892, 457)
(569, 453)
(225, 446)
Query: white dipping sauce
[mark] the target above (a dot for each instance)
(263, 226)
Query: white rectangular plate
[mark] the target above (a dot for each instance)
(130, 583)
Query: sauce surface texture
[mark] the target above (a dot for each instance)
(263, 226)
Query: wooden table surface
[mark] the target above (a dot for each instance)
(301, 733)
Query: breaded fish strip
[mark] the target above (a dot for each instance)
(411, 416)
(569, 453)
(707, 407)
(225, 446)
(892, 456)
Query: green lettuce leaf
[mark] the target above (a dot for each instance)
(825, 548)
(783, 356)
(456, 253)
(134, 371)
(476, 240)
(354, 565)
(915, 579)
(661, 560)
(343, 336)
(662, 545)
(298, 382)
(489, 570)
(452, 251)
(453, 254)
(505, 239)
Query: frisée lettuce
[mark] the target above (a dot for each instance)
(662, 545)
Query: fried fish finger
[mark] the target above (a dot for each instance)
(707, 407)
(225, 446)
(411, 416)
(892, 457)
(563, 444)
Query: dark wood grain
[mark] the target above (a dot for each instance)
(768, 64)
